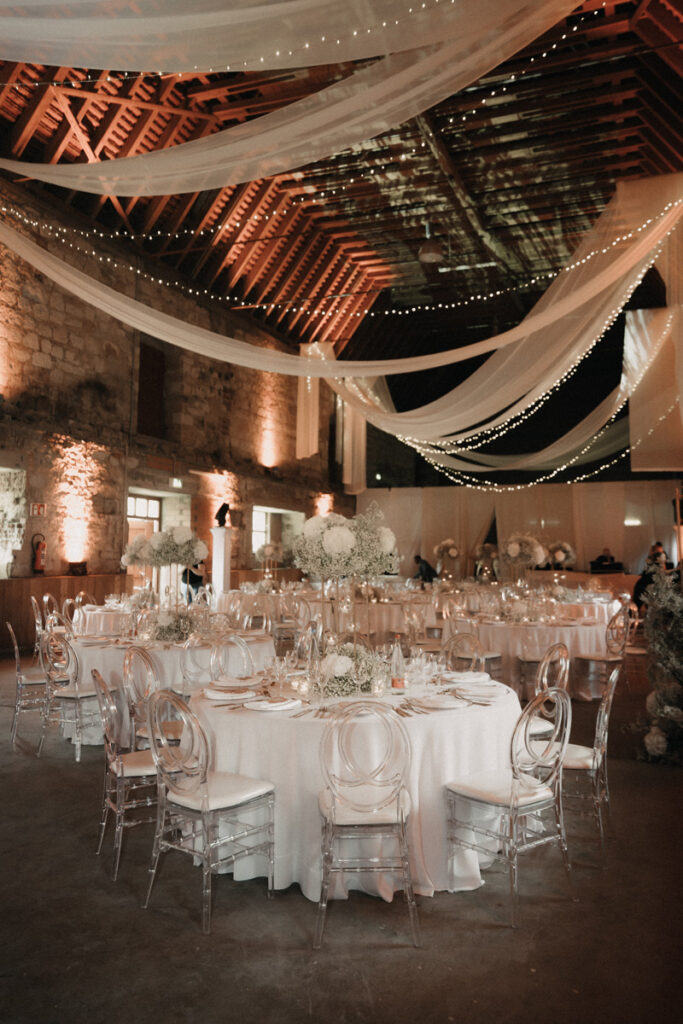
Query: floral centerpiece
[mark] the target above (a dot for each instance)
(172, 625)
(562, 554)
(446, 547)
(348, 669)
(522, 551)
(270, 552)
(333, 546)
(664, 705)
(175, 546)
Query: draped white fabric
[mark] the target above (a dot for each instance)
(353, 466)
(590, 516)
(646, 334)
(368, 103)
(307, 416)
(566, 300)
(512, 379)
(174, 36)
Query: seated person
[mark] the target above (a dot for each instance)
(425, 571)
(606, 558)
(658, 557)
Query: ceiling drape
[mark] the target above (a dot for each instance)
(367, 103)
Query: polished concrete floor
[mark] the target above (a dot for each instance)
(77, 947)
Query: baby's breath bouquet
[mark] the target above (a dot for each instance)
(348, 669)
(332, 546)
(172, 625)
(562, 554)
(446, 547)
(175, 546)
(664, 705)
(523, 551)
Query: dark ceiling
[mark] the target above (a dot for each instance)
(507, 175)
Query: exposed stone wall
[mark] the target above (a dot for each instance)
(68, 410)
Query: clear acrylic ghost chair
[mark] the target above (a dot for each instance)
(217, 817)
(258, 612)
(140, 681)
(39, 624)
(83, 597)
(590, 764)
(365, 759)
(464, 651)
(552, 671)
(30, 688)
(231, 658)
(56, 623)
(73, 614)
(195, 663)
(50, 606)
(130, 776)
(513, 810)
(70, 701)
(616, 638)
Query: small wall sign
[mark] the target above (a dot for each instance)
(38, 508)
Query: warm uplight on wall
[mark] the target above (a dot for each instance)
(323, 504)
(78, 468)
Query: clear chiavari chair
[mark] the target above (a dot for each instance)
(30, 687)
(515, 810)
(140, 681)
(130, 776)
(70, 701)
(231, 658)
(365, 759)
(217, 817)
(463, 652)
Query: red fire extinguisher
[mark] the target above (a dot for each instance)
(39, 552)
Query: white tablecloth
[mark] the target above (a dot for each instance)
(283, 749)
(101, 621)
(531, 640)
(107, 658)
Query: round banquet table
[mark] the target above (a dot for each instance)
(373, 617)
(107, 657)
(276, 746)
(531, 640)
(99, 620)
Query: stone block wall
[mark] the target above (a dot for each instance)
(68, 411)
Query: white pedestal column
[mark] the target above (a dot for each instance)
(220, 561)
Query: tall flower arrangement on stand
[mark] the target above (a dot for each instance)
(176, 546)
(562, 554)
(333, 547)
(521, 552)
(445, 549)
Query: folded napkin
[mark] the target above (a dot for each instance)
(439, 702)
(236, 695)
(456, 678)
(235, 682)
(273, 704)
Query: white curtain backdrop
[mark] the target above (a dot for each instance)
(371, 101)
(591, 516)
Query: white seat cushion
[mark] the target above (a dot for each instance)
(540, 728)
(578, 757)
(172, 730)
(137, 763)
(33, 676)
(70, 692)
(599, 657)
(496, 788)
(225, 789)
(344, 815)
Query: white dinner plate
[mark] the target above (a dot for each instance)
(274, 704)
(439, 702)
(468, 678)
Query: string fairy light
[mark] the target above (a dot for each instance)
(427, 450)
(489, 485)
(61, 233)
